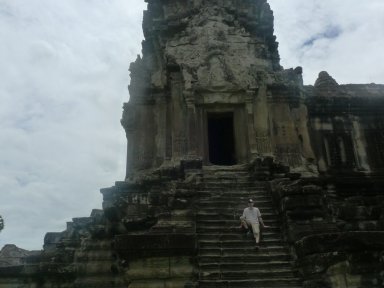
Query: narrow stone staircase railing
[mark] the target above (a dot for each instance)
(227, 257)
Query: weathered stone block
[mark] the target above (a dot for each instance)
(312, 189)
(319, 263)
(365, 262)
(149, 268)
(147, 284)
(296, 231)
(181, 267)
(294, 202)
(177, 283)
(302, 214)
(144, 245)
(346, 241)
(319, 283)
(351, 212)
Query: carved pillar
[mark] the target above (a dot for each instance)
(144, 149)
(168, 128)
(249, 99)
(161, 128)
(360, 144)
(128, 121)
(261, 126)
(303, 131)
(178, 112)
(285, 141)
(191, 124)
(240, 133)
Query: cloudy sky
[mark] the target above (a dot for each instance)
(63, 78)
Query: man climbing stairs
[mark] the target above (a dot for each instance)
(227, 256)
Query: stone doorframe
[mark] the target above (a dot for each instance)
(239, 128)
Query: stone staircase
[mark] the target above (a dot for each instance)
(77, 259)
(226, 256)
(95, 266)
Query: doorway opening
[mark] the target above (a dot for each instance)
(221, 139)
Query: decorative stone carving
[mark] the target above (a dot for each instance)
(210, 73)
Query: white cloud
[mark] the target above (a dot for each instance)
(352, 56)
(64, 75)
(63, 78)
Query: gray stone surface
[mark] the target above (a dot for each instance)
(311, 156)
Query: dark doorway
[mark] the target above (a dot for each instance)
(221, 139)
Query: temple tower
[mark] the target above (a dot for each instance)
(209, 86)
(213, 120)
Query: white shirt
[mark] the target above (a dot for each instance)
(252, 215)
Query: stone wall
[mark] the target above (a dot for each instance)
(335, 228)
(319, 147)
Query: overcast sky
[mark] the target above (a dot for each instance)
(63, 78)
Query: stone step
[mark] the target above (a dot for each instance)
(228, 209)
(235, 193)
(235, 237)
(240, 176)
(246, 243)
(234, 202)
(220, 229)
(246, 274)
(243, 238)
(206, 225)
(237, 167)
(230, 184)
(101, 281)
(247, 185)
(226, 256)
(94, 267)
(240, 197)
(240, 266)
(249, 258)
(264, 209)
(217, 186)
(94, 255)
(234, 244)
(252, 283)
(233, 214)
(221, 202)
(91, 244)
(232, 218)
(241, 251)
(236, 197)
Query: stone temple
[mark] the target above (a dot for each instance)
(213, 120)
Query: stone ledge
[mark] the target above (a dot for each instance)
(348, 241)
(156, 245)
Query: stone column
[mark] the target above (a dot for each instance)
(285, 141)
(128, 121)
(161, 128)
(249, 106)
(303, 131)
(179, 141)
(191, 125)
(144, 149)
(360, 144)
(261, 125)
